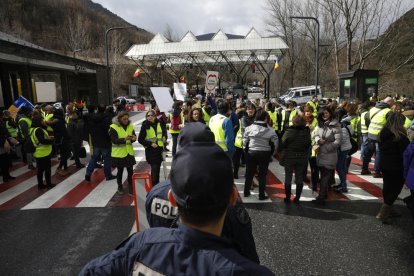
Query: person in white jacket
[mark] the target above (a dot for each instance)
(343, 152)
(260, 142)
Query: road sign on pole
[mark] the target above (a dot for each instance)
(211, 81)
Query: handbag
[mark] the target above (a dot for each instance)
(353, 143)
(82, 152)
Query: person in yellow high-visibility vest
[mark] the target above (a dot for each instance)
(364, 109)
(24, 123)
(314, 104)
(378, 116)
(152, 136)
(43, 144)
(287, 116)
(222, 128)
(122, 136)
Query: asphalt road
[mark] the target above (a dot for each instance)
(342, 238)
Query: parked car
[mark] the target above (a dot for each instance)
(127, 100)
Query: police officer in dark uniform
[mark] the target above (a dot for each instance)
(161, 213)
(202, 197)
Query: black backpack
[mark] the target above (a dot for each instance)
(28, 146)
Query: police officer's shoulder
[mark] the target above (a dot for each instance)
(238, 213)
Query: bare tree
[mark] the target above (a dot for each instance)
(170, 34)
(76, 36)
(354, 29)
(118, 63)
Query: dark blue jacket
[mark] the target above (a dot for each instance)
(237, 224)
(179, 251)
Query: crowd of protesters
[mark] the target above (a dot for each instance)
(251, 132)
(322, 138)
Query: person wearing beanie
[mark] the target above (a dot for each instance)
(195, 247)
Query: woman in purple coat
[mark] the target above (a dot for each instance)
(408, 161)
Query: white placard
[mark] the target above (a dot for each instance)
(211, 81)
(46, 92)
(163, 98)
(180, 91)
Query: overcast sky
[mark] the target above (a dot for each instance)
(198, 16)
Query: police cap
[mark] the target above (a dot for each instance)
(195, 132)
(202, 177)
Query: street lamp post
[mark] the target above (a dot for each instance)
(317, 47)
(108, 74)
(75, 51)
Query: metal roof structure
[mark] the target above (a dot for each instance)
(209, 51)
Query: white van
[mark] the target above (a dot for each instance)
(301, 95)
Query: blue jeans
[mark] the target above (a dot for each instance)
(106, 156)
(368, 155)
(175, 141)
(363, 145)
(341, 167)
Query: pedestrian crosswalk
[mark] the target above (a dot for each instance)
(73, 191)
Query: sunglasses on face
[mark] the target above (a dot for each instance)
(150, 115)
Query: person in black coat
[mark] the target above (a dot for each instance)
(100, 141)
(153, 145)
(76, 132)
(393, 142)
(5, 149)
(62, 140)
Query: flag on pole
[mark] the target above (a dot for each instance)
(137, 72)
(276, 66)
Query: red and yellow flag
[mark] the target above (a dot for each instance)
(137, 72)
(276, 66)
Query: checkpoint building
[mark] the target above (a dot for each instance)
(58, 78)
(219, 52)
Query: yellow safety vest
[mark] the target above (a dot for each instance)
(48, 117)
(273, 116)
(11, 130)
(354, 124)
(216, 126)
(315, 108)
(292, 114)
(28, 122)
(122, 150)
(155, 138)
(238, 142)
(41, 149)
(313, 141)
(377, 122)
(206, 116)
(364, 129)
(407, 123)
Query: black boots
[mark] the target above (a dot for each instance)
(288, 192)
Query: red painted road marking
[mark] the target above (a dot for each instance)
(365, 185)
(31, 194)
(17, 166)
(275, 184)
(125, 199)
(358, 162)
(21, 178)
(78, 193)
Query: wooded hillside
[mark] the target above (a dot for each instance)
(65, 25)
